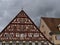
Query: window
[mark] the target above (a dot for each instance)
(11, 34)
(36, 43)
(30, 34)
(21, 35)
(17, 35)
(25, 35)
(30, 43)
(36, 34)
(6, 35)
(58, 37)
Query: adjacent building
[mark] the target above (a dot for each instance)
(51, 29)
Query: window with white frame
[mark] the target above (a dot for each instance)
(6, 35)
(22, 35)
(30, 34)
(11, 34)
(17, 35)
(36, 34)
(25, 35)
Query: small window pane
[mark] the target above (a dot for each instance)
(58, 37)
(6, 35)
(11, 34)
(10, 43)
(30, 43)
(17, 35)
(36, 43)
(30, 34)
(36, 34)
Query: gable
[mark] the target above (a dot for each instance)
(21, 28)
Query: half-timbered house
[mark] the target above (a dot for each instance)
(22, 31)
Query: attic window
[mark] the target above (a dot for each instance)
(36, 34)
(6, 35)
(11, 34)
(59, 26)
(30, 34)
(17, 34)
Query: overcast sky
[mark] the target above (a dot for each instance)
(34, 8)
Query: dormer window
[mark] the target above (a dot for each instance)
(59, 26)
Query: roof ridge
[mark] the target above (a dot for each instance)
(51, 17)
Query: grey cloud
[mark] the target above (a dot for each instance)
(34, 8)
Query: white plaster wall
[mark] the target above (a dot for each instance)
(45, 29)
(0, 43)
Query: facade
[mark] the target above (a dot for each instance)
(51, 29)
(22, 31)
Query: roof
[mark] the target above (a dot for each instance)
(52, 23)
(18, 25)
